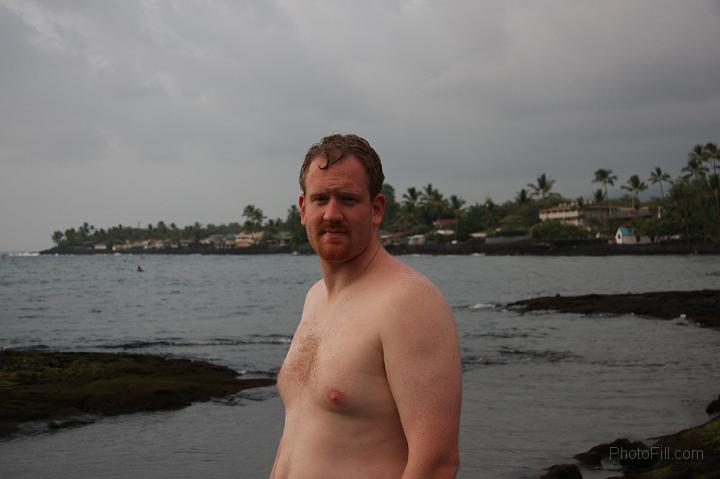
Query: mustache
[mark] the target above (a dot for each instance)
(332, 228)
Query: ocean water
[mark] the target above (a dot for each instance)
(537, 388)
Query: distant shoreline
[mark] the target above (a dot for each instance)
(519, 248)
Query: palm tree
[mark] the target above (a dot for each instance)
(408, 214)
(598, 196)
(253, 216)
(57, 237)
(542, 187)
(659, 176)
(456, 205)
(391, 205)
(411, 197)
(712, 156)
(433, 202)
(695, 168)
(605, 177)
(522, 197)
(635, 185)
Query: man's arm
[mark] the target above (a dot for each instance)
(422, 363)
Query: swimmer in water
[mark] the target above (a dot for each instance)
(372, 381)
(139, 269)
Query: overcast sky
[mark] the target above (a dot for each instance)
(114, 112)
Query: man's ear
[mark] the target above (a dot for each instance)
(301, 204)
(378, 209)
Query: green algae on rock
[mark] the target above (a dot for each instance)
(692, 453)
(41, 385)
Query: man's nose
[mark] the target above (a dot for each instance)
(332, 211)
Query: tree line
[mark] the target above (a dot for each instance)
(689, 204)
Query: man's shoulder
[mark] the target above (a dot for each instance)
(315, 291)
(406, 284)
(411, 299)
(416, 319)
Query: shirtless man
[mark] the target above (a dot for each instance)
(371, 383)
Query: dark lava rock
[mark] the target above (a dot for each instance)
(713, 407)
(563, 471)
(41, 385)
(621, 451)
(701, 306)
(591, 457)
(68, 423)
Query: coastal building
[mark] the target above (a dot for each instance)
(627, 235)
(632, 213)
(444, 232)
(445, 222)
(245, 239)
(228, 241)
(215, 240)
(281, 238)
(593, 214)
(157, 244)
(416, 240)
(125, 246)
(576, 215)
(394, 238)
(100, 247)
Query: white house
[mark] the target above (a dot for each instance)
(416, 240)
(626, 235)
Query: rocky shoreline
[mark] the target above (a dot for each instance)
(702, 307)
(688, 454)
(674, 456)
(63, 389)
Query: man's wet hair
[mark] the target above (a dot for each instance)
(336, 147)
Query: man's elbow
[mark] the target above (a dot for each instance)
(438, 466)
(450, 465)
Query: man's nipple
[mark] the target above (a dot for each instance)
(336, 397)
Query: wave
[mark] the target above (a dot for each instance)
(470, 361)
(482, 306)
(252, 339)
(260, 373)
(504, 335)
(547, 355)
(476, 306)
(508, 355)
(242, 397)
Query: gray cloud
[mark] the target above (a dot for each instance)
(117, 112)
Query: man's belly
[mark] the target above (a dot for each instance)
(322, 444)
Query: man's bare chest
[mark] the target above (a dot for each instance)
(334, 365)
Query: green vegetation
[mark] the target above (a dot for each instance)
(689, 209)
(554, 230)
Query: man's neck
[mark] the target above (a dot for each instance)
(338, 276)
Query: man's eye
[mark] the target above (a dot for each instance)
(349, 200)
(320, 199)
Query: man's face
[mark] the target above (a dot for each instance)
(340, 218)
